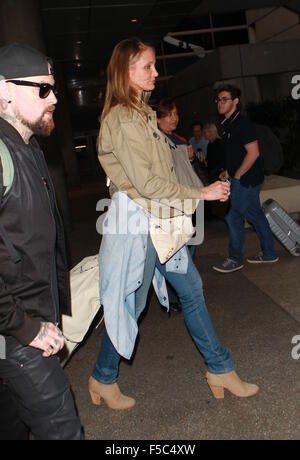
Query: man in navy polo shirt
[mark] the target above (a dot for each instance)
(244, 169)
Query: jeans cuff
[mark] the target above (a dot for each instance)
(105, 380)
(224, 370)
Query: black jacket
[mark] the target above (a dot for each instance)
(216, 159)
(33, 272)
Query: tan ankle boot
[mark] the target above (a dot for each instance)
(231, 382)
(111, 395)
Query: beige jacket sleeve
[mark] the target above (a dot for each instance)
(148, 168)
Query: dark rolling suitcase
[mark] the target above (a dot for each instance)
(284, 228)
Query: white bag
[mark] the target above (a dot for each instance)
(85, 301)
(170, 235)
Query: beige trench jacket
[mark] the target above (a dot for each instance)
(136, 157)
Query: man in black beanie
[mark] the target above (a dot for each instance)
(35, 395)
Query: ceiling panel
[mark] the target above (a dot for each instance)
(120, 16)
(217, 6)
(73, 21)
(81, 34)
(174, 7)
(129, 3)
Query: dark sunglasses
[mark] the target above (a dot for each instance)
(45, 88)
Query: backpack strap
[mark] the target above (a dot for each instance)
(6, 179)
(6, 170)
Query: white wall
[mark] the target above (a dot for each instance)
(274, 24)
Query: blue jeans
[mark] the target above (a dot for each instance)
(190, 292)
(173, 298)
(189, 289)
(245, 204)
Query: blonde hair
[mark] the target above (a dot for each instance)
(213, 129)
(118, 90)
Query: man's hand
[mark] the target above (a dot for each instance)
(249, 160)
(216, 191)
(50, 340)
(202, 158)
(190, 152)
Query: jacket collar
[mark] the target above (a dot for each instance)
(227, 121)
(9, 131)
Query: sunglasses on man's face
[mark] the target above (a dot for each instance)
(45, 88)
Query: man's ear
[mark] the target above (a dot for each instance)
(4, 92)
(236, 101)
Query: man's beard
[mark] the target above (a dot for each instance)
(40, 127)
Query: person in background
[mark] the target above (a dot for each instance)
(35, 395)
(198, 141)
(167, 120)
(244, 170)
(136, 157)
(215, 158)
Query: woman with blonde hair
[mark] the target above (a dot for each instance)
(137, 160)
(215, 158)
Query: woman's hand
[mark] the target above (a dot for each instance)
(216, 191)
(50, 340)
